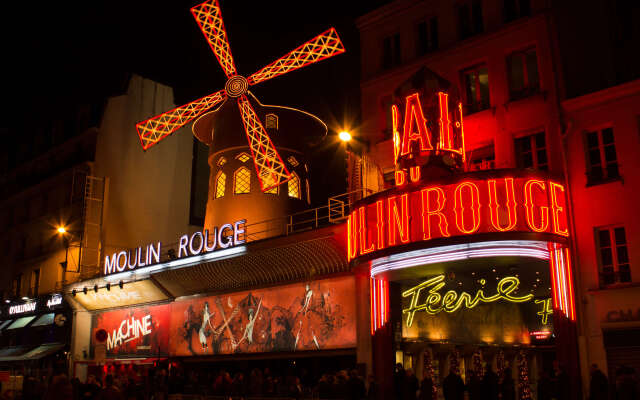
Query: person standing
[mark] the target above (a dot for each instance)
(410, 386)
(453, 386)
(426, 388)
(599, 385)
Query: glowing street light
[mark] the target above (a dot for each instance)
(344, 136)
(62, 230)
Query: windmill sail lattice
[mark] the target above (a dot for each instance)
(269, 165)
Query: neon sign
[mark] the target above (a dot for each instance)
(23, 308)
(545, 311)
(434, 303)
(414, 137)
(228, 235)
(471, 206)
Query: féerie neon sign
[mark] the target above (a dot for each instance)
(434, 302)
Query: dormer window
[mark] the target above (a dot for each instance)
(292, 160)
(244, 157)
(271, 121)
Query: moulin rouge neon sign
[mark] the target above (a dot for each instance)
(505, 203)
(228, 235)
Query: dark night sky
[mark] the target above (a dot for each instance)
(60, 52)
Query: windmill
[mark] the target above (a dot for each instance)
(270, 168)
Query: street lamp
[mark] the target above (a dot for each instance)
(62, 230)
(344, 136)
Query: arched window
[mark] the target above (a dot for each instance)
(221, 184)
(242, 181)
(273, 190)
(294, 186)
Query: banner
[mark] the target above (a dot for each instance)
(306, 316)
(134, 332)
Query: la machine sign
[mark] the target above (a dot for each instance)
(228, 235)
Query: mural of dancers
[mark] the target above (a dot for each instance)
(312, 316)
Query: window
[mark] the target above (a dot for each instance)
(221, 184)
(476, 87)
(387, 124)
(522, 67)
(242, 181)
(391, 52)
(470, 19)
(613, 255)
(602, 162)
(514, 9)
(243, 157)
(427, 36)
(531, 152)
(308, 192)
(482, 158)
(292, 160)
(17, 285)
(269, 180)
(35, 282)
(294, 186)
(271, 121)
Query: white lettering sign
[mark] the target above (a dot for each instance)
(54, 301)
(130, 329)
(228, 235)
(23, 308)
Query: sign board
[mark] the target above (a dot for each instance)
(228, 235)
(502, 202)
(299, 317)
(132, 293)
(134, 332)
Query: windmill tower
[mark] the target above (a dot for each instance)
(256, 152)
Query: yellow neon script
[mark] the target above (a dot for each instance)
(545, 311)
(452, 301)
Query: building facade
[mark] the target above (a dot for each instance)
(504, 61)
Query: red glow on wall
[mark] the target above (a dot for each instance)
(498, 204)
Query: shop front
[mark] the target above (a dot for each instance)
(470, 272)
(181, 320)
(34, 339)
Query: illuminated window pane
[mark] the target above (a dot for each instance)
(243, 157)
(292, 160)
(271, 121)
(221, 161)
(242, 181)
(267, 180)
(294, 186)
(221, 183)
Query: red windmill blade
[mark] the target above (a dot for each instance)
(269, 165)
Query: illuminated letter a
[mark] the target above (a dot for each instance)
(414, 119)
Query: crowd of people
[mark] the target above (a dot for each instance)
(160, 384)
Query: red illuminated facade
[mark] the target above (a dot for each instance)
(520, 178)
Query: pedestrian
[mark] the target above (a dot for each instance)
(90, 389)
(426, 388)
(490, 385)
(599, 385)
(410, 386)
(60, 389)
(372, 388)
(545, 389)
(453, 386)
(355, 385)
(110, 391)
